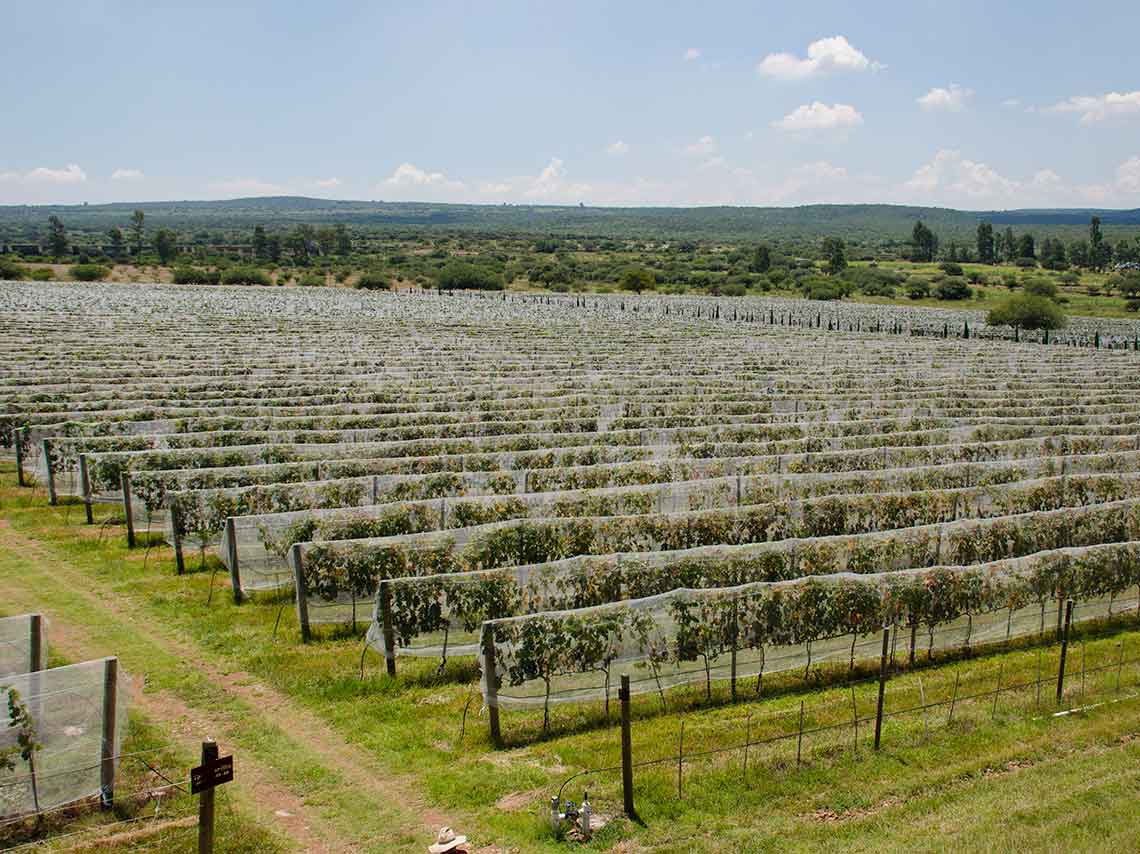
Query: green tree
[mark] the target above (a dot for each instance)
(835, 255)
(118, 244)
(138, 234)
(57, 236)
(1027, 311)
(762, 259)
(166, 245)
(273, 247)
(260, 243)
(343, 240)
(985, 240)
(637, 279)
(924, 243)
(1026, 247)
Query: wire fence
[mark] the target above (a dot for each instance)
(793, 737)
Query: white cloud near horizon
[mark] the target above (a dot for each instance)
(1098, 108)
(327, 183)
(952, 99)
(704, 146)
(1128, 175)
(69, 174)
(952, 174)
(823, 56)
(410, 175)
(691, 54)
(819, 116)
(617, 148)
(127, 175)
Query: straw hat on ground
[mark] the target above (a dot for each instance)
(446, 840)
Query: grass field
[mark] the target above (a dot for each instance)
(326, 761)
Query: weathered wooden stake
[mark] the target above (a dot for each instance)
(882, 686)
(492, 682)
(107, 750)
(176, 536)
(626, 751)
(45, 450)
(800, 735)
(386, 624)
(85, 489)
(302, 593)
(35, 643)
(232, 559)
(18, 437)
(206, 802)
(125, 486)
(1064, 650)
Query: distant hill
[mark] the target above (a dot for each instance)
(862, 224)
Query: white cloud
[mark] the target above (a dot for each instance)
(950, 174)
(713, 162)
(69, 174)
(1098, 108)
(823, 56)
(127, 175)
(1011, 102)
(703, 146)
(617, 148)
(249, 187)
(1128, 175)
(819, 116)
(492, 188)
(410, 175)
(327, 183)
(1046, 179)
(691, 54)
(953, 99)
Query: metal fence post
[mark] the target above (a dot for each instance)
(1064, 650)
(206, 802)
(36, 643)
(176, 536)
(626, 751)
(45, 450)
(882, 686)
(386, 626)
(18, 436)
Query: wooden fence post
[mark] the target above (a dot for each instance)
(1064, 650)
(85, 489)
(18, 439)
(491, 680)
(206, 802)
(882, 685)
(386, 626)
(176, 536)
(626, 751)
(36, 643)
(45, 451)
(232, 559)
(125, 486)
(107, 751)
(301, 592)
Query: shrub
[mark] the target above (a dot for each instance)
(196, 276)
(89, 272)
(373, 280)
(637, 279)
(245, 276)
(9, 269)
(733, 289)
(818, 288)
(1132, 305)
(917, 288)
(42, 274)
(462, 276)
(312, 280)
(1041, 288)
(952, 288)
(1027, 311)
(1027, 263)
(950, 268)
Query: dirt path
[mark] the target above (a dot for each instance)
(273, 798)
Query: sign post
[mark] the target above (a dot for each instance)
(214, 771)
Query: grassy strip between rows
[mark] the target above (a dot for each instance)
(994, 779)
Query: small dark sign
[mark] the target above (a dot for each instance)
(204, 777)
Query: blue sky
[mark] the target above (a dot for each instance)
(964, 104)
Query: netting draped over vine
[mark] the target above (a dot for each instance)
(680, 636)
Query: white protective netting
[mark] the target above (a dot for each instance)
(440, 615)
(698, 635)
(19, 641)
(66, 705)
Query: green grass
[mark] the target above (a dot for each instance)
(1015, 779)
